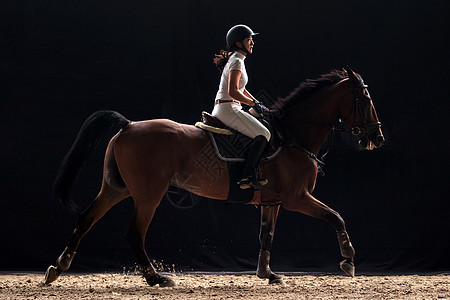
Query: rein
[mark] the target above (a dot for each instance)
(320, 163)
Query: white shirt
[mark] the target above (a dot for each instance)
(235, 62)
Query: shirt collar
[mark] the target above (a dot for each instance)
(239, 54)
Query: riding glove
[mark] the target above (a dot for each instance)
(260, 108)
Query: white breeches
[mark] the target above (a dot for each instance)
(232, 115)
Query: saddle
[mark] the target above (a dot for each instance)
(212, 124)
(231, 145)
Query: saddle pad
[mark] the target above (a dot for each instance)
(233, 148)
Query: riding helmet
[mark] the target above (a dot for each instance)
(238, 33)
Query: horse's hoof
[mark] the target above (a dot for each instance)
(264, 274)
(51, 275)
(348, 267)
(166, 282)
(163, 281)
(276, 279)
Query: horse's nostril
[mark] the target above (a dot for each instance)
(380, 139)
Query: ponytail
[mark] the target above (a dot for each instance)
(221, 59)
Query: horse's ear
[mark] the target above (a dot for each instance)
(351, 75)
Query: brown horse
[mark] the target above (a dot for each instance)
(144, 158)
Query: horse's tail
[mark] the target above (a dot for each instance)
(94, 129)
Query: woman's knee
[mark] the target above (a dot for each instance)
(263, 133)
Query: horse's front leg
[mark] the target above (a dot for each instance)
(310, 206)
(268, 221)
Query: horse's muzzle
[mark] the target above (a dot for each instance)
(372, 143)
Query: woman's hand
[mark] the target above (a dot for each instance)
(260, 108)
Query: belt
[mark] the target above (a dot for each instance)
(225, 101)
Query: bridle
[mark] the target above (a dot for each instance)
(366, 128)
(362, 131)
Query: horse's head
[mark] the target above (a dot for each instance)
(359, 113)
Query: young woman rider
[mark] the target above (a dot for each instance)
(232, 93)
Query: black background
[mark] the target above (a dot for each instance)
(63, 60)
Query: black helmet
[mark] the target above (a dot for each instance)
(238, 33)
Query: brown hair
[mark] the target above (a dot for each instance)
(221, 59)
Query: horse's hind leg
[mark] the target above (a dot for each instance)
(113, 191)
(312, 207)
(268, 221)
(106, 199)
(145, 207)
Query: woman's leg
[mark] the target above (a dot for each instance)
(234, 117)
(250, 175)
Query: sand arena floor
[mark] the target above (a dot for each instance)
(224, 286)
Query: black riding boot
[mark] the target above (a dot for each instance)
(250, 177)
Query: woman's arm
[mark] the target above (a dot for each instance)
(247, 93)
(233, 89)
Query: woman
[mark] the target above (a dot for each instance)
(232, 93)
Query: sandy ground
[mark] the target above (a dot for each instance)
(214, 286)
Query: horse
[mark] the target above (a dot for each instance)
(144, 158)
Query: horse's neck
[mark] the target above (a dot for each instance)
(312, 120)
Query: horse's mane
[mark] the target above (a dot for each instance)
(308, 88)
